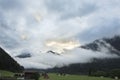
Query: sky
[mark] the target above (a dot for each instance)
(38, 26)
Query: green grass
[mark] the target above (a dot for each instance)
(73, 77)
(6, 73)
(53, 76)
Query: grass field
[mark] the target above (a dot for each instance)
(53, 76)
(6, 73)
(73, 77)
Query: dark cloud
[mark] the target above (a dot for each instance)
(69, 9)
(10, 4)
(107, 28)
(28, 25)
(7, 39)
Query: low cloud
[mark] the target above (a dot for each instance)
(61, 45)
(47, 60)
(28, 25)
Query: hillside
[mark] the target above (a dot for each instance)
(107, 64)
(8, 63)
(6, 73)
(110, 44)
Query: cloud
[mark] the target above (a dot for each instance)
(27, 25)
(10, 4)
(61, 45)
(107, 29)
(47, 60)
(70, 9)
(78, 55)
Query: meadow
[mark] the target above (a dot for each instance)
(54, 76)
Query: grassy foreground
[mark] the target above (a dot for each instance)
(53, 76)
(73, 77)
(6, 73)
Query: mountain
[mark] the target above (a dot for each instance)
(28, 55)
(24, 55)
(52, 52)
(112, 45)
(107, 45)
(8, 63)
(84, 68)
(115, 42)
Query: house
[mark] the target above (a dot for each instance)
(31, 75)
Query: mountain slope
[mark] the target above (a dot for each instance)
(84, 68)
(110, 45)
(24, 55)
(115, 42)
(105, 45)
(8, 63)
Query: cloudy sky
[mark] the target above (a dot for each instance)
(36, 26)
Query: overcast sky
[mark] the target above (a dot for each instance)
(37, 26)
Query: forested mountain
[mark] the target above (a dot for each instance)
(24, 55)
(87, 68)
(8, 63)
(112, 44)
(115, 42)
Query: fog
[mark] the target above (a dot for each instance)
(29, 25)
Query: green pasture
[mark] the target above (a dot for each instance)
(53, 76)
(6, 73)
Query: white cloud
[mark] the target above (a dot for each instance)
(47, 60)
(27, 25)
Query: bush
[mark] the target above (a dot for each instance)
(99, 73)
(36, 76)
(113, 73)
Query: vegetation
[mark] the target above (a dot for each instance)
(113, 73)
(54, 76)
(99, 68)
(6, 73)
(74, 77)
(8, 63)
(99, 73)
(36, 76)
(96, 65)
(115, 42)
